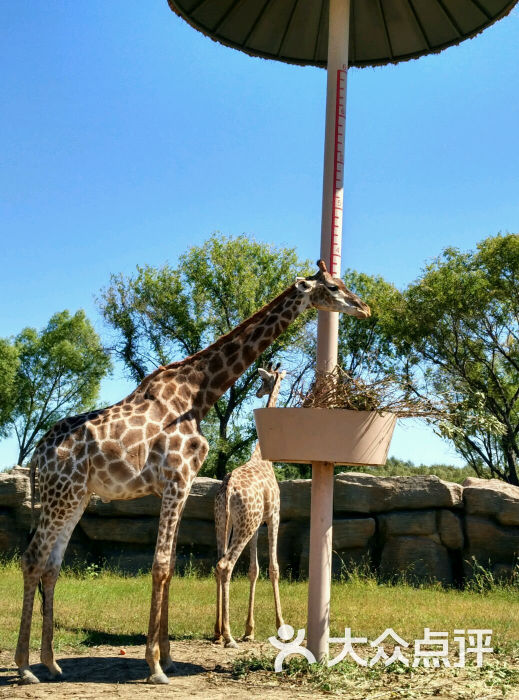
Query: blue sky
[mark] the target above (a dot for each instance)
(127, 136)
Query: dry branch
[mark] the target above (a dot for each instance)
(338, 389)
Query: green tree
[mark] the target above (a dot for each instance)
(58, 372)
(458, 325)
(366, 350)
(8, 366)
(163, 314)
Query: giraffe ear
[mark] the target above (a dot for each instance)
(322, 265)
(263, 373)
(304, 286)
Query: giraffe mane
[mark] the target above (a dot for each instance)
(231, 334)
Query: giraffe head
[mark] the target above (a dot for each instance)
(329, 293)
(269, 377)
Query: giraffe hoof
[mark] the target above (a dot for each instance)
(217, 639)
(168, 666)
(55, 672)
(247, 638)
(231, 644)
(27, 677)
(158, 679)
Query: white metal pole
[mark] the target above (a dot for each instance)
(321, 516)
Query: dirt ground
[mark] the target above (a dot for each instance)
(203, 670)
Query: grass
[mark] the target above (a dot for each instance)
(95, 606)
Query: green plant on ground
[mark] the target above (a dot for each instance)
(398, 680)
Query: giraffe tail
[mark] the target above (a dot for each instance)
(33, 465)
(32, 476)
(227, 528)
(222, 516)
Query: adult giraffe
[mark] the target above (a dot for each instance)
(248, 496)
(150, 442)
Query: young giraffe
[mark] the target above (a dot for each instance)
(150, 442)
(247, 497)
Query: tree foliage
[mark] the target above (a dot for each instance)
(54, 372)
(164, 314)
(366, 349)
(9, 363)
(458, 325)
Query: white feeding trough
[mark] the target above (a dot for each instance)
(306, 435)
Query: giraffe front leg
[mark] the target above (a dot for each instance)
(157, 645)
(166, 662)
(159, 575)
(273, 527)
(221, 524)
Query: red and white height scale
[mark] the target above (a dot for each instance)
(320, 568)
(338, 174)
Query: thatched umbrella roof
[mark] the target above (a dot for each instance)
(382, 31)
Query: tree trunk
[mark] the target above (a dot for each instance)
(222, 458)
(508, 451)
(221, 464)
(21, 456)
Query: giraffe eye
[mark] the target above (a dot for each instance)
(333, 288)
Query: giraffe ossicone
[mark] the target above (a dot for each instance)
(148, 443)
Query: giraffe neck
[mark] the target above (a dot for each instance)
(273, 398)
(271, 403)
(190, 387)
(219, 365)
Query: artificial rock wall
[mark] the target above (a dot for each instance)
(420, 525)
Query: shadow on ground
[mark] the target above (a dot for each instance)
(109, 669)
(95, 638)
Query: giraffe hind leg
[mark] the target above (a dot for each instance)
(33, 564)
(224, 569)
(253, 577)
(48, 582)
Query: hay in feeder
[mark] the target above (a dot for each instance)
(340, 390)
